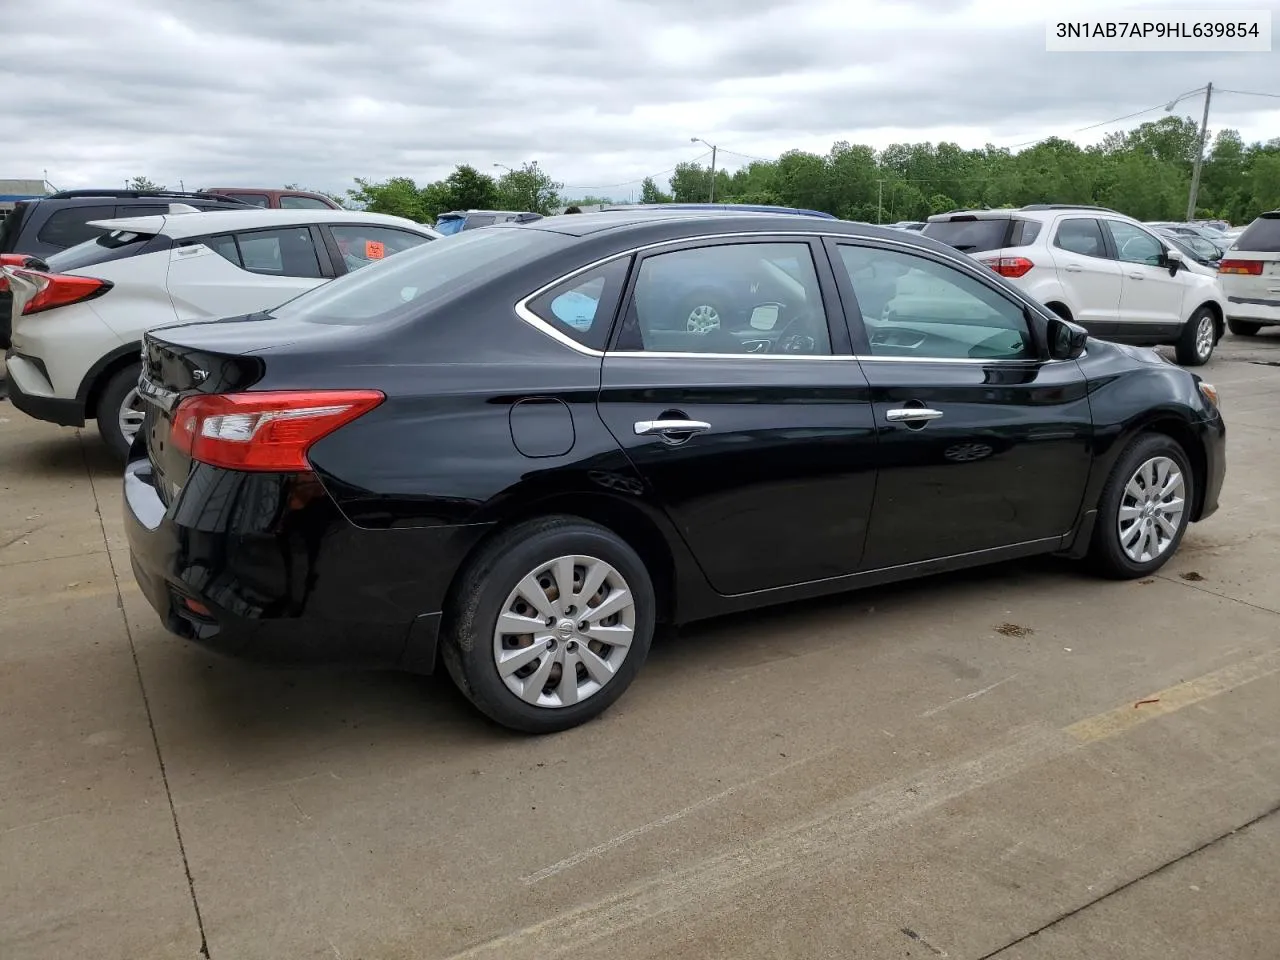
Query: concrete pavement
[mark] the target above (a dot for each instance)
(1016, 762)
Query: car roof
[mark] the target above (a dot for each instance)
(653, 226)
(179, 225)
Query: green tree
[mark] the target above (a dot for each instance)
(529, 188)
(690, 183)
(144, 183)
(469, 189)
(399, 197)
(649, 192)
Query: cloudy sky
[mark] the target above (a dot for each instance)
(599, 92)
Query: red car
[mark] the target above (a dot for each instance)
(278, 199)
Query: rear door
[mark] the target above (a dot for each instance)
(1151, 299)
(1091, 278)
(982, 445)
(243, 272)
(755, 435)
(1251, 272)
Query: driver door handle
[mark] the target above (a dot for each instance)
(645, 428)
(1136, 275)
(911, 413)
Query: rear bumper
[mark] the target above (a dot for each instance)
(1254, 310)
(263, 567)
(31, 392)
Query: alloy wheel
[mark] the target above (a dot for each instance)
(1204, 337)
(130, 415)
(564, 631)
(703, 319)
(1151, 509)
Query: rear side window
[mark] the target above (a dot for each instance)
(10, 225)
(361, 244)
(288, 252)
(479, 220)
(69, 226)
(970, 236)
(1082, 236)
(116, 245)
(583, 307)
(257, 199)
(290, 202)
(1261, 236)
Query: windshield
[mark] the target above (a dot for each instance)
(449, 225)
(969, 236)
(411, 282)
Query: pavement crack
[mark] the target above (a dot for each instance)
(1272, 811)
(1198, 585)
(146, 703)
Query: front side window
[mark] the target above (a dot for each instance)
(361, 245)
(1081, 235)
(915, 307)
(69, 226)
(288, 252)
(583, 307)
(1134, 245)
(748, 298)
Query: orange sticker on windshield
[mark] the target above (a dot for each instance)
(374, 250)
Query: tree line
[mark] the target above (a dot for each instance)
(1144, 172)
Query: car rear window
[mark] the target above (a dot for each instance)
(411, 282)
(10, 226)
(115, 245)
(1261, 236)
(70, 225)
(970, 236)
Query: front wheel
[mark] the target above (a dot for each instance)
(1198, 339)
(1144, 509)
(1243, 328)
(120, 411)
(549, 625)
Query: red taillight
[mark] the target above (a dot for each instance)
(1250, 268)
(1009, 266)
(264, 431)
(9, 260)
(60, 290)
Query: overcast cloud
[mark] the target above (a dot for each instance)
(599, 92)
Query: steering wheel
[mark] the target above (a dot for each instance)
(797, 334)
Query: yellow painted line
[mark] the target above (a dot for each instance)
(1185, 694)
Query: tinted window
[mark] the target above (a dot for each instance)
(1261, 236)
(418, 279)
(9, 228)
(478, 220)
(1134, 245)
(257, 199)
(69, 226)
(362, 245)
(288, 252)
(111, 246)
(915, 307)
(970, 236)
(729, 298)
(288, 202)
(225, 247)
(1024, 233)
(583, 307)
(1081, 236)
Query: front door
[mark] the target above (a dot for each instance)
(982, 445)
(755, 432)
(1151, 301)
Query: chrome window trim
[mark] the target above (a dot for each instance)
(961, 262)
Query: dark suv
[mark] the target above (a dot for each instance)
(48, 225)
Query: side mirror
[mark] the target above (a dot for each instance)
(1066, 339)
(1174, 259)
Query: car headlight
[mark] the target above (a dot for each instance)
(1209, 392)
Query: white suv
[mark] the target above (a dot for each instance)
(1250, 275)
(78, 317)
(1105, 271)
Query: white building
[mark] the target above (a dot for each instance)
(11, 191)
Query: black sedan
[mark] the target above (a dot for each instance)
(498, 453)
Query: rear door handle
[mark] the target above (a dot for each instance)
(1073, 268)
(1137, 276)
(908, 414)
(646, 428)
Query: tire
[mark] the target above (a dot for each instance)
(1194, 348)
(1243, 328)
(120, 389)
(1107, 552)
(1061, 311)
(488, 588)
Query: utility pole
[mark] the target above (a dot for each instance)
(880, 201)
(713, 174)
(1195, 172)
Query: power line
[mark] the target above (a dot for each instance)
(1252, 93)
(1127, 116)
(627, 183)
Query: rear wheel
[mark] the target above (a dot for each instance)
(1243, 328)
(549, 625)
(1199, 336)
(120, 410)
(1144, 510)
